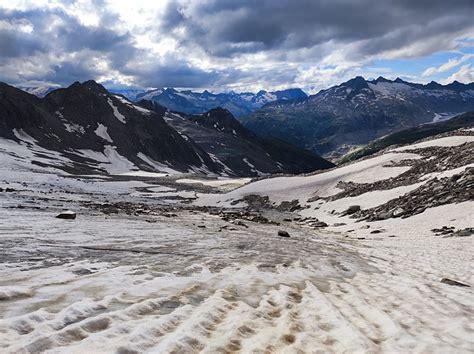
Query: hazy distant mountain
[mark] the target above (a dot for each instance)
(199, 102)
(335, 120)
(39, 91)
(130, 94)
(191, 102)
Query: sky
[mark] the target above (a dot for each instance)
(240, 45)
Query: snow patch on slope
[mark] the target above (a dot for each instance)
(454, 140)
(101, 132)
(117, 114)
(322, 184)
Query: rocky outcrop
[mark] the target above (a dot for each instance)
(455, 189)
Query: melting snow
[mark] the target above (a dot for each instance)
(223, 183)
(101, 132)
(20, 134)
(323, 184)
(117, 114)
(157, 165)
(446, 141)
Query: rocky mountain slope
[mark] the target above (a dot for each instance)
(336, 120)
(235, 148)
(397, 182)
(95, 130)
(237, 103)
(90, 130)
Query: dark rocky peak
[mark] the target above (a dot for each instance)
(291, 93)
(153, 106)
(380, 79)
(221, 119)
(93, 86)
(458, 86)
(219, 112)
(400, 81)
(433, 85)
(88, 94)
(18, 110)
(357, 83)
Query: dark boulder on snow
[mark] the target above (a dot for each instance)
(453, 282)
(352, 210)
(68, 214)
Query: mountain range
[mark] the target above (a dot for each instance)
(192, 102)
(199, 102)
(341, 118)
(331, 123)
(84, 128)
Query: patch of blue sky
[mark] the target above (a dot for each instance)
(413, 68)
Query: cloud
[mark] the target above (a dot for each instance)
(170, 72)
(51, 44)
(450, 64)
(227, 27)
(465, 75)
(224, 44)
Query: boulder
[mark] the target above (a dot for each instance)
(68, 214)
(352, 209)
(283, 233)
(376, 231)
(383, 215)
(453, 282)
(398, 212)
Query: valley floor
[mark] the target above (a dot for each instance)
(142, 269)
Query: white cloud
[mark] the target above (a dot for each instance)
(450, 64)
(465, 75)
(219, 45)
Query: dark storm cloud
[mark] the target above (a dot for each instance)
(70, 71)
(171, 72)
(227, 27)
(51, 43)
(53, 33)
(53, 29)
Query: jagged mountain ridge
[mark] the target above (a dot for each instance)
(234, 147)
(191, 102)
(88, 125)
(103, 132)
(351, 114)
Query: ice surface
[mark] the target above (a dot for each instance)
(177, 279)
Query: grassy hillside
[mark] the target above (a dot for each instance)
(411, 135)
